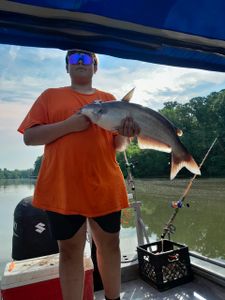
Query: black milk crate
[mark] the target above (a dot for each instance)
(164, 264)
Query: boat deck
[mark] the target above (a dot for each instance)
(208, 283)
(198, 289)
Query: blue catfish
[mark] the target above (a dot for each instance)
(156, 133)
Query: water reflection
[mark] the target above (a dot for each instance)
(201, 226)
(15, 183)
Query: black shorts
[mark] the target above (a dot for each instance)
(64, 227)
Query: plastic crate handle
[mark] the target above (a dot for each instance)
(173, 258)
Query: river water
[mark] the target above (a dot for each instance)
(201, 226)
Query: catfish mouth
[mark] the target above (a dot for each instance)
(85, 111)
(88, 108)
(91, 112)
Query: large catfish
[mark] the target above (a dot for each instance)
(156, 133)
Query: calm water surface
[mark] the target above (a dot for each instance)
(201, 226)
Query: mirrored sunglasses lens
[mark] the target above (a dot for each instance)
(73, 59)
(87, 59)
(76, 57)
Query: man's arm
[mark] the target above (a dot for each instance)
(45, 134)
(128, 129)
(121, 143)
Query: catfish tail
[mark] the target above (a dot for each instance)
(186, 161)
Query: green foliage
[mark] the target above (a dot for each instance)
(144, 163)
(202, 119)
(19, 174)
(37, 165)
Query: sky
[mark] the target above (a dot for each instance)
(26, 72)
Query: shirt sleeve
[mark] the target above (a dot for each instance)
(110, 97)
(38, 114)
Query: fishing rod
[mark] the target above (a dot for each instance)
(140, 226)
(170, 228)
(130, 178)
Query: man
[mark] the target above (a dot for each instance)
(79, 177)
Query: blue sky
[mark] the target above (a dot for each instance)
(26, 72)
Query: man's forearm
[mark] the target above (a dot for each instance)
(121, 142)
(45, 134)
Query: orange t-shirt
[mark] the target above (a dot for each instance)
(79, 173)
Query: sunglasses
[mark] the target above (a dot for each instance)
(86, 59)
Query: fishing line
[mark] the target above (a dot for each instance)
(170, 228)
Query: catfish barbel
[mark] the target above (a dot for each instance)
(157, 132)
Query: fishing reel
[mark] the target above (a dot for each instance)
(130, 165)
(168, 230)
(178, 204)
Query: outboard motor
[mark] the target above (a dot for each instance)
(31, 232)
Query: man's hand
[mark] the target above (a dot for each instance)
(129, 127)
(77, 122)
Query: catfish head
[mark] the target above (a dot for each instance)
(109, 114)
(105, 114)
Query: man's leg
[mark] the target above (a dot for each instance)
(71, 270)
(108, 256)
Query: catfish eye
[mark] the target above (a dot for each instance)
(100, 111)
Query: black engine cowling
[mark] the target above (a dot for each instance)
(31, 232)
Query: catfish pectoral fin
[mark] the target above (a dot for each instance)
(188, 162)
(145, 142)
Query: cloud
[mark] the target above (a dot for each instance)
(158, 84)
(26, 81)
(13, 51)
(13, 153)
(49, 54)
(37, 69)
(12, 116)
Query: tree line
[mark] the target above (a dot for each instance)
(201, 119)
(16, 174)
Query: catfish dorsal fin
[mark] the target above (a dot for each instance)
(128, 96)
